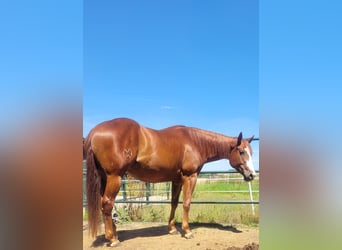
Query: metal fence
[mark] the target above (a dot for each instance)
(135, 191)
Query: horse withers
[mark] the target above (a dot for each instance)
(177, 154)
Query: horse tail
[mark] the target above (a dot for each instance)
(93, 193)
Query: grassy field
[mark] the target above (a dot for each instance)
(206, 190)
(201, 213)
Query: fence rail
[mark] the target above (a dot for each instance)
(146, 198)
(192, 202)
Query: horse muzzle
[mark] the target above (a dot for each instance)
(249, 177)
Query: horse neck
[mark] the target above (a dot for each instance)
(213, 146)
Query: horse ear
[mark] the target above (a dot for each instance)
(239, 139)
(250, 139)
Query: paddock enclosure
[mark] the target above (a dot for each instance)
(218, 184)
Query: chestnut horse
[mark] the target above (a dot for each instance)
(177, 154)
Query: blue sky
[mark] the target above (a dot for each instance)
(193, 63)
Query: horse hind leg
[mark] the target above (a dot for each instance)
(112, 188)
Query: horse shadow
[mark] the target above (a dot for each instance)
(216, 226)
(157, 231)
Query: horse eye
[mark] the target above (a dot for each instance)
(242, 152)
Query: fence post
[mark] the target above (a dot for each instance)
(251, 196)
(148, 191)
(168, 190)
(123, 186)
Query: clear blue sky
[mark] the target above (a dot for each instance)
(178, 62)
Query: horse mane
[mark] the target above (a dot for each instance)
(214, 145)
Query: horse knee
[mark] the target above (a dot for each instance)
(174, 204)
(186, 206)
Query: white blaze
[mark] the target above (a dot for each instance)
(249, 163)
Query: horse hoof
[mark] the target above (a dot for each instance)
(114, 243)
(173, 232)
(189, 236)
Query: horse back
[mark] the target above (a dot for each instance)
(164, 147)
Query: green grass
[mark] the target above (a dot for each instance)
(85, 215)
(224, 186)
(221, 190)
(199, 213)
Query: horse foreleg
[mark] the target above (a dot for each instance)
(176, 189)
(189, 183)
(111, 190)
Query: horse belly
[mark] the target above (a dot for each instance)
(147, 174)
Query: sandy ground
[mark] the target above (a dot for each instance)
(155, 236)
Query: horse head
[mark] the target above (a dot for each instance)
(241, 158)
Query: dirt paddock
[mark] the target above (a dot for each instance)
(144, 235)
